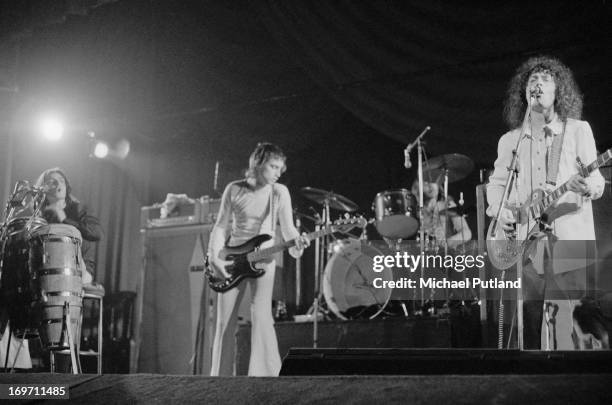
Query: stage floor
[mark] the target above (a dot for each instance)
(414, 389)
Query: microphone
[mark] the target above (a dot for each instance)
(216, 177)
(407, 162)
(18, 196)
(536, 91)
(45, 188)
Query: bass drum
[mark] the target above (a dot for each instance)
(348, 281)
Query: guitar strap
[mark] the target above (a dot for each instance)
(270, 211)
(553, 154)
(273, 211)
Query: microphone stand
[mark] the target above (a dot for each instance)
(512, 172)
(298, 268)
(420, 177)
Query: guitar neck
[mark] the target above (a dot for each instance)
(543, 204)
(263, 253)
(600, 161)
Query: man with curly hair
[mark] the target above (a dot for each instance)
(547, 157)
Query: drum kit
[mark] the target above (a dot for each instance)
(41, 270)
(343, 268)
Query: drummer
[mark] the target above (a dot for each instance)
(60, 206)
(436, 212)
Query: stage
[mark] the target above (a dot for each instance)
(416, 389)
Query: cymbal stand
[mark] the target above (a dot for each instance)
(320, 261)
(445, 224)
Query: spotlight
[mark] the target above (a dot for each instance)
(103, 150)
(52, 128)
(100, 150)
(122, 148)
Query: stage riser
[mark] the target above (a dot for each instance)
(450, 361)
(390, 333)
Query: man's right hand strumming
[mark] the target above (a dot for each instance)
(507, 220)
(218, 266)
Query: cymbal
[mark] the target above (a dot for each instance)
(458, 210)
(458, 166)
(336, 201)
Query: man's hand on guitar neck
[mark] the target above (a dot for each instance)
(578, 185)
(302, 242)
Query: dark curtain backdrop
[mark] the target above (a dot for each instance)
(400, 66)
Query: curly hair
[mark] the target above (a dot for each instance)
(568, 99)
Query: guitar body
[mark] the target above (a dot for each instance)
(241, 259)
(505, 247)
(239, 267)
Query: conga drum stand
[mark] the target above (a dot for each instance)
(72, 344)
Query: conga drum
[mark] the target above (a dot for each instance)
(16, 289)
(56, 268)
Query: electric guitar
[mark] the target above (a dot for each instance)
(242, 258)
(503, 247)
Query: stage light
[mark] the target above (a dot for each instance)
(100, 150)
(104, 150)
(122, 149)
(52, 128)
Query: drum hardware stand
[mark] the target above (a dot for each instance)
(320, 261)
(72, 344)
(445, 230)
(513, 179)
(8, 330)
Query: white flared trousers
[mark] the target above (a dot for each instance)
(265, 358)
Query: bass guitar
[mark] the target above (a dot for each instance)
(503, 247)
(242, 258)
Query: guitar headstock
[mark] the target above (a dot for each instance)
(345, 225)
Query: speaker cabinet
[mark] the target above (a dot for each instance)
(173, 288)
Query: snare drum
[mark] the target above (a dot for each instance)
(396, 214)
(348, 281)
(56, 267)
(16, 289)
